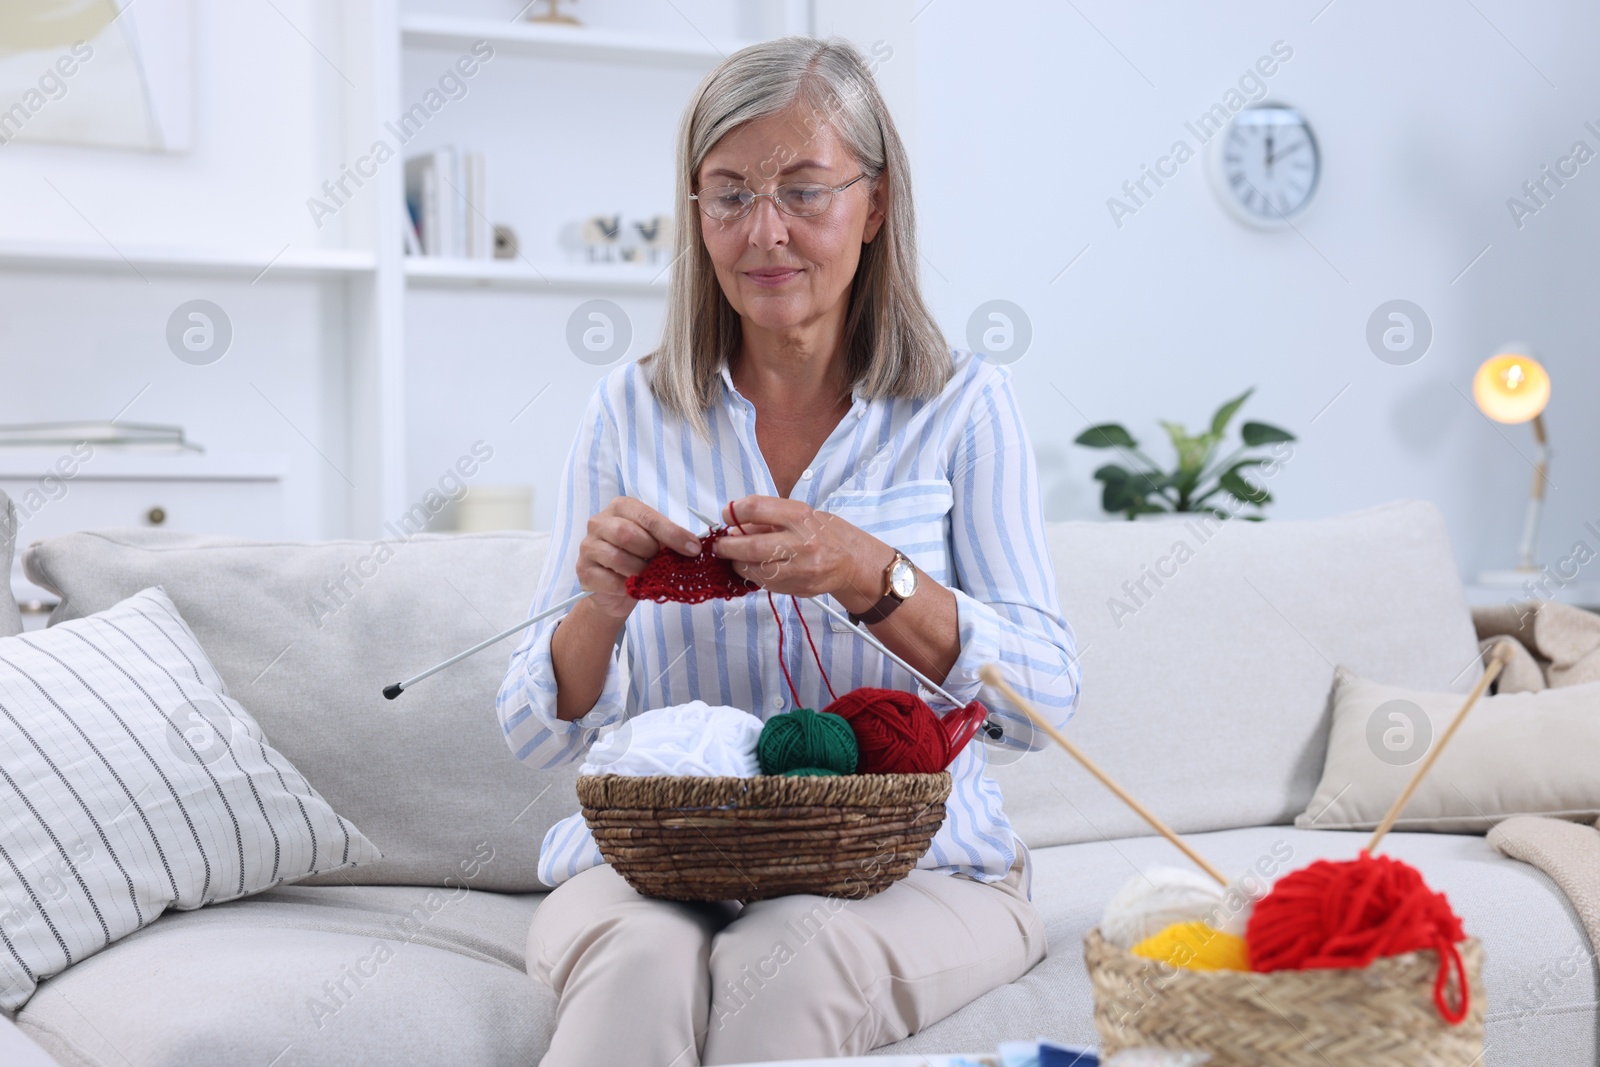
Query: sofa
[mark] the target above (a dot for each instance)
(1207, 675)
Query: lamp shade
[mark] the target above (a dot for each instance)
(1511, 387)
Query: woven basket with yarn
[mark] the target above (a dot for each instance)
(1382, 1015)
(705, 838)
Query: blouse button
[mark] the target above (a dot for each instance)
(777, 701)
(806, 473)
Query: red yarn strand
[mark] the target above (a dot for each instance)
(783, 663)
(781, 658)
(897, 732)
(831, 694)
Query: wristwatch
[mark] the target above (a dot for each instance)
(899, 582)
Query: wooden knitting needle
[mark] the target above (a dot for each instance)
(1497, 661)
(990, 673)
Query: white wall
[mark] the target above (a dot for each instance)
(1022, 119)
(1028, 116)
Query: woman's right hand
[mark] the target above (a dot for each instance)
(622, 538)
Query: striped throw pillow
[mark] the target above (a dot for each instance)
(130, 782)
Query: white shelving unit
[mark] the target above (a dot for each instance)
(442, 273)
(344, 325)
(103, 259)
(541, 40)
(584, 119)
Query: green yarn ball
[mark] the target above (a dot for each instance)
(804, 739)
(811, 772)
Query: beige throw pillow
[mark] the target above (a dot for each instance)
(1516, 754)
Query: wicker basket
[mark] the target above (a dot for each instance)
(686, 838)
(1378, 1016)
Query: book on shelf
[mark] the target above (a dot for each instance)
(139, 435)
(447, 201)
(480, 232)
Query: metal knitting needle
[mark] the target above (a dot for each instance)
(396, 689)
(990, 727)
(400, 687)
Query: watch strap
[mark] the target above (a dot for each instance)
(888, 602)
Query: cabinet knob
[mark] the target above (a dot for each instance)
(156, 515)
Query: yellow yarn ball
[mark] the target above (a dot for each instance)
(1195, 947)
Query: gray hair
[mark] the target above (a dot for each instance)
(892, 345)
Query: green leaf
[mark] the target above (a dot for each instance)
(1192, 449)
(1117, 497)
(1238, 465)
(1106, 435)
(1235, 485)
(1176, 433)
(1259, 433)
(1193, 453)
(1111, 472)
(1224, 415)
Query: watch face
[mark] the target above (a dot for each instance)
(902, 578)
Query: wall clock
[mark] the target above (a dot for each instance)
(1265, 165)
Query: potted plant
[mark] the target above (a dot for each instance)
(1144, 488)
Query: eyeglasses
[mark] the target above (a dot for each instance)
(726, 203)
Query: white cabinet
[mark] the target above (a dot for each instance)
(57, 491)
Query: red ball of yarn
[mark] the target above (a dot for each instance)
(1349, 913)
(897, 733)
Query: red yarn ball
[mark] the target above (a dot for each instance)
(897, 733)
(1349, 913)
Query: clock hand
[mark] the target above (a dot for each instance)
(1287, 151)
(1269, 152)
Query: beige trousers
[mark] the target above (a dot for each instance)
(653, 983)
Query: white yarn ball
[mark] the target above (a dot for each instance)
(691, 739)
(1156, 899)
(1239, 901)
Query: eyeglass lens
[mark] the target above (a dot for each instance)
(733, 202)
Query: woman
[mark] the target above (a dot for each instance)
(802, 390)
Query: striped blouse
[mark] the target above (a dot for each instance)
(950, 481)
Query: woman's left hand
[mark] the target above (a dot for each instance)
(789, 547)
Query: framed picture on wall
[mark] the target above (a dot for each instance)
(102, 73)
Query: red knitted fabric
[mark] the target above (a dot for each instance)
(1349, 913)
(671, 576)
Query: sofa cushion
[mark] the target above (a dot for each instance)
(1514, 754)
(324, 974)
(307, 635)
(141, 785)
(1538, 973)
(10, 618)
(1208, 654)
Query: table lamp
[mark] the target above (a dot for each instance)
(1511, 386)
